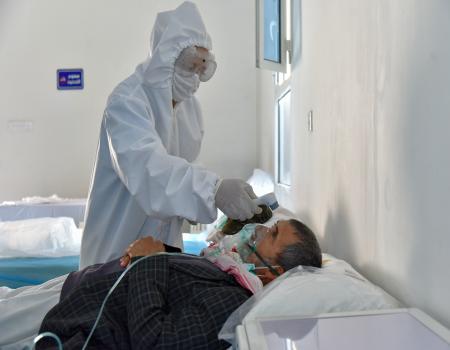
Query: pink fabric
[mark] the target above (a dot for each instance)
(245, 278)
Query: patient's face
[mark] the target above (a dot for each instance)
(276, 239)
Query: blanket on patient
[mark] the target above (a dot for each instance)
(163, 302)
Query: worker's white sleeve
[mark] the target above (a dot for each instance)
(162, 184)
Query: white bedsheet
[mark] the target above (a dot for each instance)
(42, 237)
(22, 311)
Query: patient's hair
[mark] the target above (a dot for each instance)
(305, 252)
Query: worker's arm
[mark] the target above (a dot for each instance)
(164, 185)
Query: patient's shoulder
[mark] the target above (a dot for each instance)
(198, 267)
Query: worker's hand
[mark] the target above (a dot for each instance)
(142, 247)
(235, 198)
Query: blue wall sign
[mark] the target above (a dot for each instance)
(70, 79)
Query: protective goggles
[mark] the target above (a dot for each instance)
(197, 61)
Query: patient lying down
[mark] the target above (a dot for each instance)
(171, 301)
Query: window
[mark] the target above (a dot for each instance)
(273, 52)
(272, 39)
(284, 139)
(272, 22)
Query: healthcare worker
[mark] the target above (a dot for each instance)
(144, 182)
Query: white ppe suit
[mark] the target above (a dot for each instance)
(143, 182)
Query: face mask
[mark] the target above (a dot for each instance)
(245, 241)
(184, 85)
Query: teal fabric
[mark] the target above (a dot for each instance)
(194, 247)
(19, 272)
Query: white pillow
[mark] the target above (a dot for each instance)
(42, 237)
(307, 291)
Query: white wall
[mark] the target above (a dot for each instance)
(373, 179)
(108, 38)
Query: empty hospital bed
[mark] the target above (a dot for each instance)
(33, 268)
(37, 207)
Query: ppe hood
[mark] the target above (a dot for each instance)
(173, 31)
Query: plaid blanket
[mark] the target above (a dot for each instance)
(164, 302)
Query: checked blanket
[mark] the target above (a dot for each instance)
(163, 302)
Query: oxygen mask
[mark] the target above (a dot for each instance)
(245, 241)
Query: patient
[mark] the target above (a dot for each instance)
(286, 244)
(169, 301)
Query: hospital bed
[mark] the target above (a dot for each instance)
(334, 307)
(275, 318)
(290, 313)
(22, 309)
(35, 250)
(32, 269)
(36, 207)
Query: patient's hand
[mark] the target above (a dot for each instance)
(141, 247)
